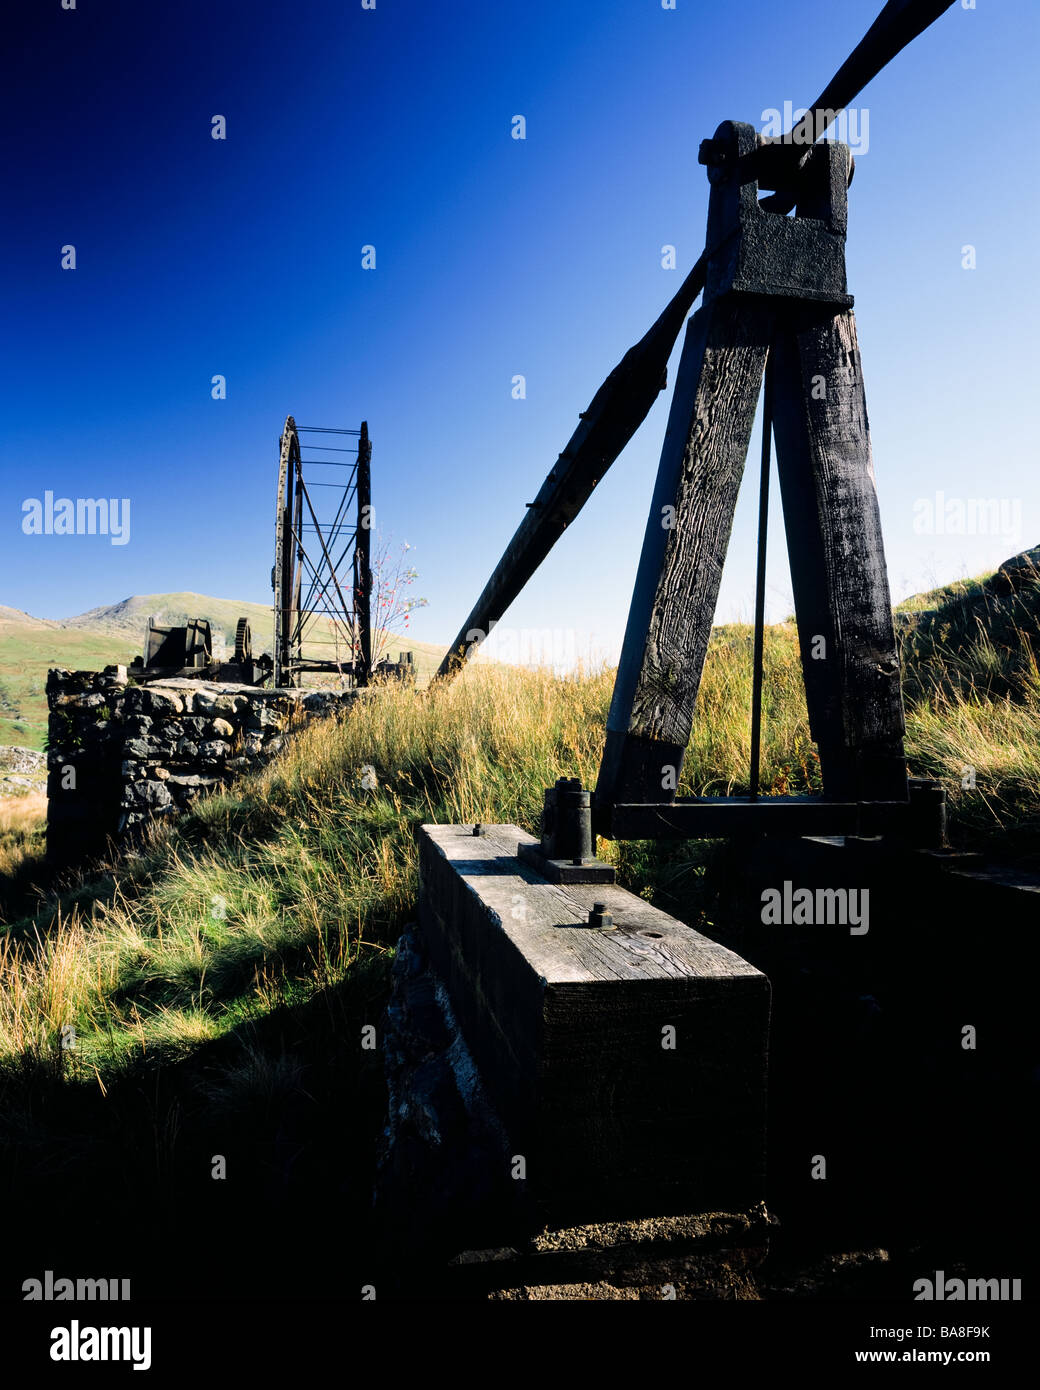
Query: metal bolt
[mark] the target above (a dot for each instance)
(567, 822)
(600, 917)
(478, 829)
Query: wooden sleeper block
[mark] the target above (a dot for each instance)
(568, 1025)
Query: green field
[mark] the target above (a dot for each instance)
(27, 651)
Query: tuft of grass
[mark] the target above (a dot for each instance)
(719, 755)
(23, 822)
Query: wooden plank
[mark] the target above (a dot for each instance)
(565, 1022)
(837, 556)
(680, 568)
(553, 931)
(708, 817)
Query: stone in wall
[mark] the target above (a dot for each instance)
(121, 754)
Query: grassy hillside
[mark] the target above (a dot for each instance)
(130, 616)
(30, 646)
(318, 871)
(217, 981)
(975, 639)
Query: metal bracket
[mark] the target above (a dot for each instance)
(565, 854)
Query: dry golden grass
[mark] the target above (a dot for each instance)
(274, 890)
(22, 823)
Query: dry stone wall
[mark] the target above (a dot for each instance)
(121, 753)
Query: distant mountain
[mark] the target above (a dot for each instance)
(128, 621)
(130, 616)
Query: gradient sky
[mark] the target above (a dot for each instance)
(495, 257)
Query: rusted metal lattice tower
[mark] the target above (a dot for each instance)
(322, 577)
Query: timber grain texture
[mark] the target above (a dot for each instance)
(680, 567)
(837, 557)
(565, 1023)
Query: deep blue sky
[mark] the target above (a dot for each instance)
(494, 257)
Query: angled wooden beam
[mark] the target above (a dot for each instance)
(618, 408)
